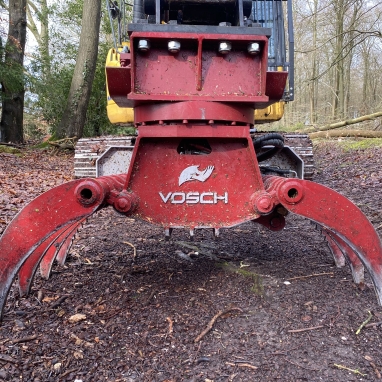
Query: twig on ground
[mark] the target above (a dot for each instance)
(24, 339)
(59, 302)
(372, 364)
(212, 322)
(152, 294)
(7, 358)
(68, 372)
(305, 329)
(364, 323)
(373, 324)
(111, 315)
(355, 371)
(312, 275)
(170, 324)
(133, 246)
(242, 365)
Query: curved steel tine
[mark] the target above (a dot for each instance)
(338, 255)
(356, 266)
(67, 243)
(338, 214)
(29, 267)
(48, 258)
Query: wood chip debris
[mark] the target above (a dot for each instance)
(59, 302)
(7, 358)
(242, 365)
(170, 325)
(24, 339)
(373, 365)
(305, 329)
(76, 318)
(312, 275)
(132, 246)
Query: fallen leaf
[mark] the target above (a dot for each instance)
(77, 318)
(49, 299)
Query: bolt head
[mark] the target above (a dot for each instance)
(173, 46)
(253, 48)
(143, 45)
(225, 47)
(122, 204)
(263, 203)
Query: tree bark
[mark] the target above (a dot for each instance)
(11, 126)
(347, 133)
(337, 125)
(73, 120)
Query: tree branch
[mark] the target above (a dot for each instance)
(32, 26)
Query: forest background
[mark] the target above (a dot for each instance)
(338, 63)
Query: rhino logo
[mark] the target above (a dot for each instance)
(193, 173)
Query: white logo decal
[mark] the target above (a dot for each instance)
(193, 173)
(194, 197)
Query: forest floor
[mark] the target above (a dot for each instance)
(283, 310)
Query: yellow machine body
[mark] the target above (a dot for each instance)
(116, 114)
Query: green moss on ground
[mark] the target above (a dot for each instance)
(9, 149)
(42, 145)
(360, 144)
(257, 286)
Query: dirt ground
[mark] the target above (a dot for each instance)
(140, 317)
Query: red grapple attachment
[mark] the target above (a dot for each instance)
(46, 226)
(194, 163)
(344, 223)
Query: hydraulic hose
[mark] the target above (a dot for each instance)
(138, 12)
(272, 139)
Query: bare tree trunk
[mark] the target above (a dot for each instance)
(73, 120)
(338, 99)
(314, 81)
(41, 12)
(11, 126)
(347, 133)
(337, 125)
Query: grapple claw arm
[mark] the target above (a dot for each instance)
(355, 263)
(39, 225)
(29, 267)
(67, 243)
(335, 213)
(338, 255)
(50, 255)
